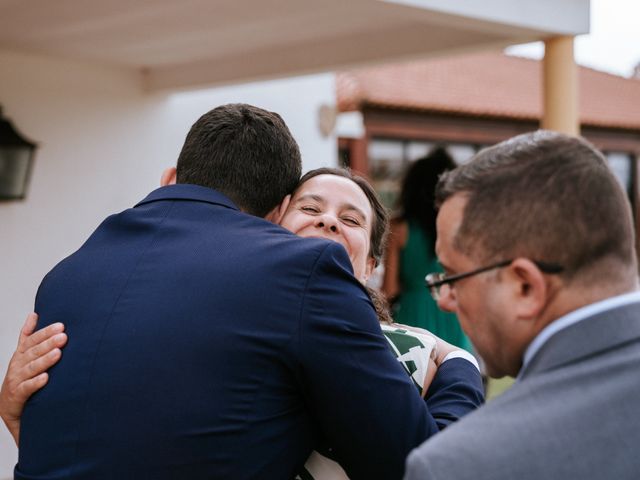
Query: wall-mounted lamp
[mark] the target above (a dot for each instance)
(16, 160)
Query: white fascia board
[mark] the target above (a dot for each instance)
(565, 17)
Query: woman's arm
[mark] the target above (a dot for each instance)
(26, 374)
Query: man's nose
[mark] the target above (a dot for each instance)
(327, 222)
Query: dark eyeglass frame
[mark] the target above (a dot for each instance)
(435, 280)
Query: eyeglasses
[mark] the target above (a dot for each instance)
(436, 281)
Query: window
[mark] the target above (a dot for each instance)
(621, 163)
(389, 159)
(462, 152)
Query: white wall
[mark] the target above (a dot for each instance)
(103, 143)
(296, 99)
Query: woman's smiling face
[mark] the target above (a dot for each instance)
(335, 208)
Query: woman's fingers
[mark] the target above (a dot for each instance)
(37, 351)
(39, 365)
(29, 387)
(56, 341)
(21, 382)
(27, 342)
(28, 327)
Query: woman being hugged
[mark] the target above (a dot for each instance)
(328, 203)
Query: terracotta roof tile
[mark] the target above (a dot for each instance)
(487, 84)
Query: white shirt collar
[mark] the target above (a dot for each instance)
(575, 317)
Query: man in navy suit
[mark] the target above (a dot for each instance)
(207, 342)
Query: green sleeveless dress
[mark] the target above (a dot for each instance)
(415, 306)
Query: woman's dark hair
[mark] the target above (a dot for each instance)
(417, 197)
(380, 305)
(380, 225)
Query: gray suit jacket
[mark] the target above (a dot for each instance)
(574, 413)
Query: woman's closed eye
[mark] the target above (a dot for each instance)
(353, 221)
(310, 209)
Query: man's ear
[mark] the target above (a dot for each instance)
(168, 177)
(531, 291)
(275, 215)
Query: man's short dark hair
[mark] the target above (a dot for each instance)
(548, 197)
(380, 224)
(244, 152)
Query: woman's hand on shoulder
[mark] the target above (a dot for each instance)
(26, 374)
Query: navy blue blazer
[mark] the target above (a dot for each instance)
(208, 343)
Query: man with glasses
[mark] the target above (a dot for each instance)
(537, 243)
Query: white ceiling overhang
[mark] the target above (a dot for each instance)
(191, 43)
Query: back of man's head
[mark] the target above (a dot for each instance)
(550, 198)
(244, 152)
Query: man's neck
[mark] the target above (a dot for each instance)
(567, 298)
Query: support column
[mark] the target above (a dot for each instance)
(360, 156)
(560, 87)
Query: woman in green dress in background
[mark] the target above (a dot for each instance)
(410, 253)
